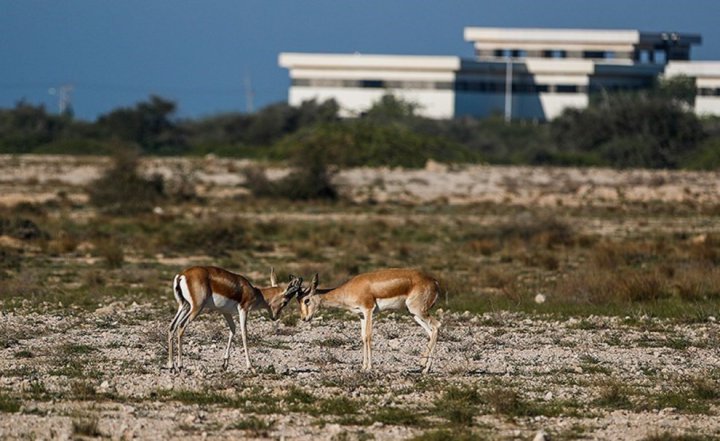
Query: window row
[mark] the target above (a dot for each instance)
(708, 91)
(460, 86)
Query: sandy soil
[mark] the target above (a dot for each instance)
(547, 361)
(44, 178)
(115, 373)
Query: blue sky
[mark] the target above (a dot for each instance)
(199, 53)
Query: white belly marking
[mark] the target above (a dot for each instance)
(222, 304)
(391, 303)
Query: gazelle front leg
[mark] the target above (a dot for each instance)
(362, 337)
(231, 324)
(243, 332)
(366, 323)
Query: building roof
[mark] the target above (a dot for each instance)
(595, 37)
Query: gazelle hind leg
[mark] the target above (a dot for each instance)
(431, 326)
(183, 308)
(182, 324)
(231, 324)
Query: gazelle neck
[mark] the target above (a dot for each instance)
(331, 296)
(270, 292)
(262, 299)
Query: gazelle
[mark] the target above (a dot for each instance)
(220, 290)
(378, 291)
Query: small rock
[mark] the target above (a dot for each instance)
(540, 436)
(712, 319)
(540, 298)
(548, 396)
(436, 167)
(578, 369)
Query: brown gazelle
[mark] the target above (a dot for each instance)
(377, 291)
(228, 293)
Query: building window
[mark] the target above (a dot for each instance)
(708, 91)
(594, 54)
(555, 53)
(661, 57)
(567, 88)
(372, 84)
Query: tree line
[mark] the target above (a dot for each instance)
(654, 128)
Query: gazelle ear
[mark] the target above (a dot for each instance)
(315, 281)
(273, 277)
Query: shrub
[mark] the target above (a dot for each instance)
(215, 238)
(594, 287)
(20, 228)
(508, 402)
(86, 427)
(123, 191)
(459, 405)
(257, 182)
(369, 142)
(643, 129)
(613, 396)
(698, 283)
(310, 179)
(8, 404)
(10, 260)
(111, 252)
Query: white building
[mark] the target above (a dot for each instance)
(707, 81)
(524, 73)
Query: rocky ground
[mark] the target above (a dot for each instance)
(70, 371)
(595, 378)
(213, 177)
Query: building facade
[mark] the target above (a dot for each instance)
(521, 73)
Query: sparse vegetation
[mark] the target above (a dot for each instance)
(123, 191)
(573, 313)
(8, 403)
(86, 427)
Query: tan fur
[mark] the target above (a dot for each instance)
(377, 290)
(216, 289)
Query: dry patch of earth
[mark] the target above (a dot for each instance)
(596, 378)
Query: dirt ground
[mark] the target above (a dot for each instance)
(38, 178)
(72, 373)
(563, 363)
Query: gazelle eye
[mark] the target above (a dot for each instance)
(307, 301)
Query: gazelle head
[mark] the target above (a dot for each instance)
(309, 300)
(277, 303)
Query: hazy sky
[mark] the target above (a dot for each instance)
(199, 53)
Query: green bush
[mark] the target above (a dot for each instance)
(705, 157)
(121, 190)
(642, 129)
(310, 179)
